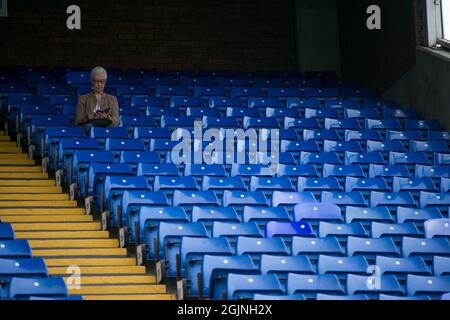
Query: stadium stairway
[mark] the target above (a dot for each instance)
(61, 233)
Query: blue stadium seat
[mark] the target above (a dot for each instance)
(167, 91)
(364, 159)
(23, 268)
(432, 172)
(366, 186)
(200, 112)
(98, 172)
(268, 185)
(101, 134)
(425, 248)
(358, 93)
(311, 285)
(188, 199)
(366, 215)
(438, 200)
(408, 159)
(437, 136)
(400, 170)
(441, 266)
(341, 146)
(208, 215)
(262, 215)
(192, 251)
(340, 125)
(240, 199)
(232, 230)
(362, 136)
(342, 199)
(215, 270)
(385, 147)
(319, 158)
(111, 195)
(260, 123)
(328, 116)
(300, 123)
(437, 228)
(241, 287)
(329, 297)
(240, 112)
(6, 231)
(342, 171)
(394, 231)
(256, 247)
(281, 113)
(441, 159)
(401, 267)
(136, 101)
(135, 157)
(296, 102)
(262, 297)
(317, 185)
(208, 91)
(130, 122)
(78, 77)
(341, 231)
(417, 216)
(290, 199)
(370, 248)
(412, 124)
(170, 236)
(390, 124)
(370, 113)
(374, 286)
(434, 287)
(314, 212)
(404, 136)
(297, 147)
(145, 216)
(392, 200)
(294, 171)
(116, 146)
(280, 92)
(224, 102)
(66, 148)
(10, 249)
(246, 171)
(445, 185)
(21, 288)
(169, 184)
(282, 265)
(341, 266)
(245, 92)
(341, 104)
(287, 230)
(220, 184)
(320, 135)
(403, 113)
(313, 247)
(413, 186)
(429, 146)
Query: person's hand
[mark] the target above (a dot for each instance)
(91, 116)
(103, 115)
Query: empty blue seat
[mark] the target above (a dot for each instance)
(234, 230)
(281, 112)
(296, 146)
(394, 231)
(341, 231)
(413, 124)
(136, 101)
(77, 77)
(118, 145)
(271, 184)
(342, 199)
(437, 228)
(208, 91)
(404, 136)
(48, 89)
(317, 212)
(358, 93)
(313, 247)
(399, 170)
(320, 135)
(187, 199)
(296, 102)
(135, 157)
(294, 171)
(103, 133)
(21, 288)
(339, 171)
(342, 124)
(249, 170)
(429, 146)
(220, 184)
(245, 286)
(111, 195)
(417, 215)
(200, 112)
(367, 215)
(282, 265)
(370, 113)
(281, 92)
(366, 185)
(169, 90)
(256, 247)
(262, 297)
(340, 266)
(321, 92)
(98, 172)
(390, 124)
(373, 286)
(431, 286)
(341, 146)
(165, 83)
(145, 216)
(414, 186)
(441, 159)
(239, 199)
(192, 251)
(301, 124)
(209, 214)
(23, 268)
(438, 200)
(432, 172)
(310, 285)
(437, 135)
(426, 248)
(66, 148)
(362, 136)
(263, 103)
(185, 102)
(10, 249)
(328, 116)
(403, 113)
(317, 185)
(392, 200)
(169, 184)
(319, 158)
(6, 231)
(224, 102)
(441, 266)
(238, 112)
(322, 296)
(290, 199)
(287, 230)
(260, 123)
(370, 248)
(401, 267)
(243, 92)
(215, 270)
(129, 122)
(201, 170)
(170, 236)
(385, 147)
(410, 159)
(262, 215)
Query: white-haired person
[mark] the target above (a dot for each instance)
(97, 108)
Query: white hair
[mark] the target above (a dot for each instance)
(98, 70)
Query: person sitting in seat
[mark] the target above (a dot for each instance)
(97, 108)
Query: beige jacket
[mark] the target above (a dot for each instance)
(87, 102)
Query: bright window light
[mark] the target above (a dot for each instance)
(445, 5)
